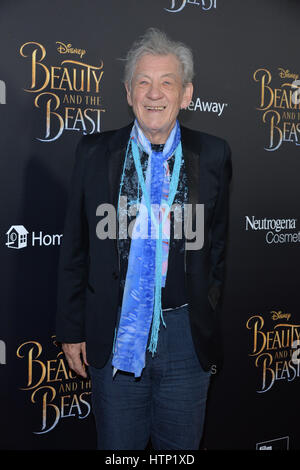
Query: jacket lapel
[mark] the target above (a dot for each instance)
(191, 155)
(117, 151)
(192, 166)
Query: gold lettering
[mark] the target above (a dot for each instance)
(274, 120)
(89, 69)
(68, 49)
(268, 375)
(287, 74)
(32, 360)
(53, 76)
(49, 369)
(34, 64)
(257, 334)
(50, 113)
(46, 405)
(61, 368)
(61, 78)
(81, 88)
(265, 89)
(65, 78)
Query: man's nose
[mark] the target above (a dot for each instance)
(154, 91)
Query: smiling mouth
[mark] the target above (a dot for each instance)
(155, 108)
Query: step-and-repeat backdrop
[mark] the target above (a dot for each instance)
(61, 76)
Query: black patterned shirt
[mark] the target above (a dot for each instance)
(174, 292)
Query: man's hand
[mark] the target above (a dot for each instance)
(75, 354)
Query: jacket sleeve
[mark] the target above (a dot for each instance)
(73, 259)
(219, 229)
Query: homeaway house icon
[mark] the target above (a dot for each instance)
(17, 237)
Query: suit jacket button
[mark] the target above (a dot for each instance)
(115, 275)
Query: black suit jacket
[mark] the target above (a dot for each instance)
(89, 268)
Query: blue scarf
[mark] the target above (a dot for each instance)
(141, 303)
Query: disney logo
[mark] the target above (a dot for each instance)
(285, 73)
(279, 315)
(68, 49)
(178, 5)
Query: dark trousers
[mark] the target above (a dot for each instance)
(167, 403)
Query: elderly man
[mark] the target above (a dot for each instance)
(141, 309)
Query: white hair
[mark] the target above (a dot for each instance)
(156, 42)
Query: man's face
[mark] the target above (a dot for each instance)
(157, 95)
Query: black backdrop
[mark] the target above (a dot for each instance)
(246, 58)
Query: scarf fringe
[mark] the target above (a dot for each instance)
(157, 314)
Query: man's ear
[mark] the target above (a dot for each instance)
(128, 92)
(187, 95)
